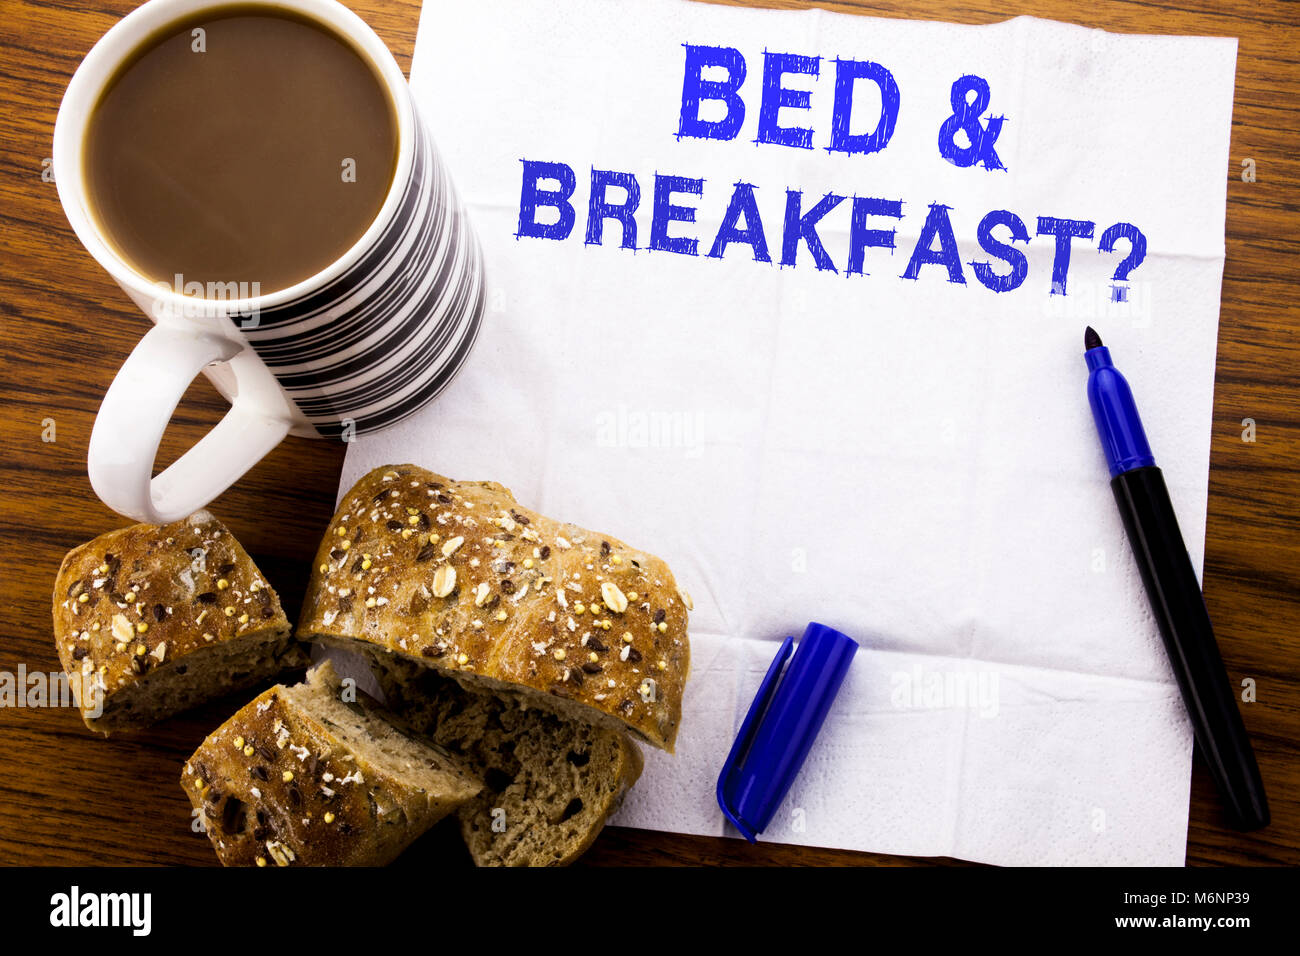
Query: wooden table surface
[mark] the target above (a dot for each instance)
(70, 797)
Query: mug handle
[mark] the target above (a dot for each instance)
(135, 413)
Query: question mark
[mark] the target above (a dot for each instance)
(1136, 253)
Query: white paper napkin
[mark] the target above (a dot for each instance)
(911, 461)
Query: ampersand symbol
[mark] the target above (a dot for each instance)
(966, 117)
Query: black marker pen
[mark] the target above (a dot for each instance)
(1170, 581)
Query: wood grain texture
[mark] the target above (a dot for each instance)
(69, 797)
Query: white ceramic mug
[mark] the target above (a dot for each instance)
(356, 347)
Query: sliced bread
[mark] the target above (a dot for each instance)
(151, 620)
(304, 775)
(461, 578)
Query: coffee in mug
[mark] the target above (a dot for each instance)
(257, 178)
(269, 133)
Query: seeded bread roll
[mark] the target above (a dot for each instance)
(461, 578)
(151, 620)
(551, 782)
(301, 777)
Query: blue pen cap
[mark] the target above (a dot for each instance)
(1123, 439)
(782, 723)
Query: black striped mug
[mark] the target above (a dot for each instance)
(360, 345)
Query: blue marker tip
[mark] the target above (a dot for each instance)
(1123, 439)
